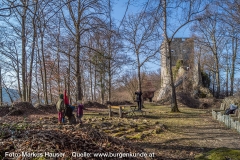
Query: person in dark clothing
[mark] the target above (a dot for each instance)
(139, 99)
(231, 109)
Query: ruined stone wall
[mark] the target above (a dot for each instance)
(189, 74)
(181, 48)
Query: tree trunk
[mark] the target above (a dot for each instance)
(44, 70)
(139, 73)
(1, 96)
(58, 62)
(23, 34)
(213, 83)
(218, 82)
(109, 53)
(227, 78)
(50, 91)
(85, 90)
(95, 83)
(102, 89)
(174, 106)
(58, 73)
(109, 82)
(109, 77)
(77, 67)
(36, 76)
(18, 79)
(68, 75)
(234, 56)
(217, 67)
(140, 103)
(91, 80)
(41, 73)
(167, 43)
(29, 94)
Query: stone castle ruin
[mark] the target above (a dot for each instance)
(183, 63)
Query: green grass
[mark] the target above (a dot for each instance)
(132, 127)
(220, 154)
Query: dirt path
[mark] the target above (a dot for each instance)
(189, 135)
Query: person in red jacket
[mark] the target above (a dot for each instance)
(80, 111)
(66, 102)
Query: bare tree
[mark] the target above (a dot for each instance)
(185, 13)
(19, 28)
(230, 16)
(212, 31)
(141, 33)
(7, 6)
(130, 83)
(33, 46)
(98, 58)
(78, 17)
(23, 14)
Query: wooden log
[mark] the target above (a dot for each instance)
(120, 112)
(110, 111)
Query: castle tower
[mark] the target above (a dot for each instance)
(181, 49)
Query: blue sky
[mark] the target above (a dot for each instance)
(119, 8)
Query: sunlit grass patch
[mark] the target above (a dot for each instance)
(137, 136)
(220, 154)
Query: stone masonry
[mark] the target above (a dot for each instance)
(181, 49)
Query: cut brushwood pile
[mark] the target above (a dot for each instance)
(26, 109)
(26, 137)
(27, 129)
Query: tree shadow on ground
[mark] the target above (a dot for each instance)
(174, 151)
(151, 116)
(187, 100)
